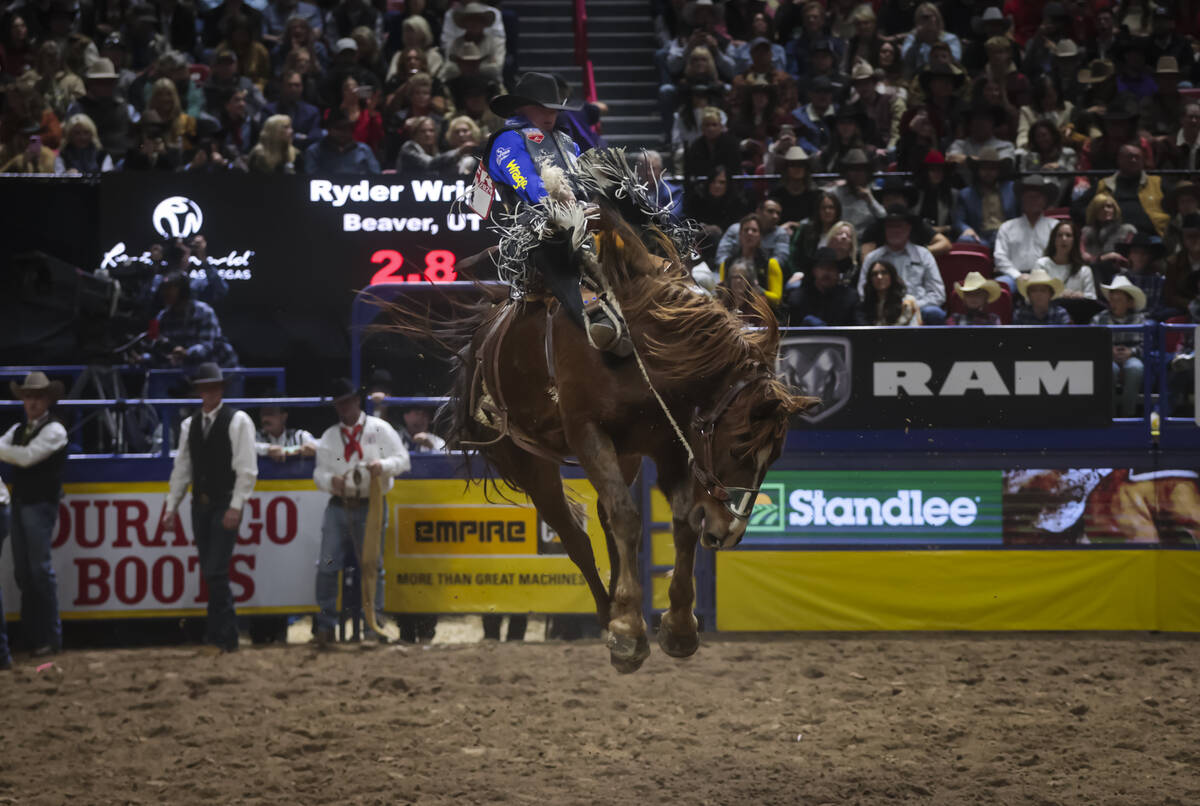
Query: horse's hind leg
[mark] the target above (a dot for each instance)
(540, 480)
(627, 642)
(678, 633)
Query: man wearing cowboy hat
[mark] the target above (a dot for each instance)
(859, 205)
(982, 121)
(1162, 110)
(112, 115)
(1125, 305)
(1022, 240)
(987, 202)
(885, 111)
(476, 21)
(349, 454)
(529, 141)
(217, 460)
(914, 264)
(37, 451)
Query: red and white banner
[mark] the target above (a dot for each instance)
(112, 554)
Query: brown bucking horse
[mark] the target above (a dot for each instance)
(531, 391)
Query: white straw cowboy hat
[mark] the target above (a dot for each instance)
(975, 281)
(1122, 283)
(37, 383)
(474, 10)
(1038, 276)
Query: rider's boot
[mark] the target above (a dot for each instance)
(605, 329)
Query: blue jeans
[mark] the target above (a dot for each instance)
(32, 533)
(3, 628)
(340, 525)
(214, 544)
(1127, 386)
(932, 315)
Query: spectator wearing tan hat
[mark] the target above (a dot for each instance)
(795, 192)
(37, 451)
(1125, 305)
(1039, 290)
(883, 109)
(475, 20)
(1162, 111)
(976, 293)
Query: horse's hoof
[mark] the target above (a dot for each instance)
(628, 654)
(678, 646)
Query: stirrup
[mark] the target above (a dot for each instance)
(605, 330)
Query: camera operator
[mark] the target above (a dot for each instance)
(188, 331)
(209, 287)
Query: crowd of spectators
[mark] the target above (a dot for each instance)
(1055, 139)
(268, 86)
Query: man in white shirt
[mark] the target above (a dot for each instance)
(349, 454)
(278, 442)
(37, 450)
(216, 457)
(1022, 240)
(915, 265)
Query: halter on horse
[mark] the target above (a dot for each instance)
(699, 397)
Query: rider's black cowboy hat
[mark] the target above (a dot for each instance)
(538, 89)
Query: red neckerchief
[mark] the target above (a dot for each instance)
(350, 441)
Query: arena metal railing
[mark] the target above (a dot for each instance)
(157, 377)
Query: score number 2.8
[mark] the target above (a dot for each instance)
(439, 267)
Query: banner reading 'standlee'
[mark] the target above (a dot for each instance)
(298, 239)
(878, 508)
(1002, 377)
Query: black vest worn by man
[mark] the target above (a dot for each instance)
(111, 117)
(41, 482)
(212, 460)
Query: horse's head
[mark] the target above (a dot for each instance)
(735, 442)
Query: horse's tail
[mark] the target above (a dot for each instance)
(450, 328)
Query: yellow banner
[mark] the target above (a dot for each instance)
(451, 550)
(1008, 589)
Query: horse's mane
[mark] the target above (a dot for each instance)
(704, 334)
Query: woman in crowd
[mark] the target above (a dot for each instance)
(58, 85)
(758, 115)
(700, 68)
(1045, 152)
(1103, 231)
(928, 29)
(369, 54)
(686, 128)
(936, 200)
(814, 232)
(298, 35)
(976, 293)
(888, 61)
(1064, 261)
(464, 137)
(254, 61)
(419, 155)
(717, 204)
(750, 261)
(417, 35)
(163, 107)
(865, 44)
(24, 153)
(368, 125)
(1047, 104)
(81, 152)
(24, 107)
(917, 139)
(886, 301)
(274, 152)
(16, 47)
(1125, 305)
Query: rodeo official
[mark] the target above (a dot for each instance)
(216, 457)
(357, 457)
(37, 451)
(528, 142)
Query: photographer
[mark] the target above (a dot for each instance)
(25, 154)
(188, 330)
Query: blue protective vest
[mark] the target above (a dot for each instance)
(515, 152)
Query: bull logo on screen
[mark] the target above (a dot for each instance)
(177, 217)
(818, 366)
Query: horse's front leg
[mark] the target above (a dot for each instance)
(678, 633)
(627, 642)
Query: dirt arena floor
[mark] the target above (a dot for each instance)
(824, 719)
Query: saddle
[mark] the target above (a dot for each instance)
(487, 404)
